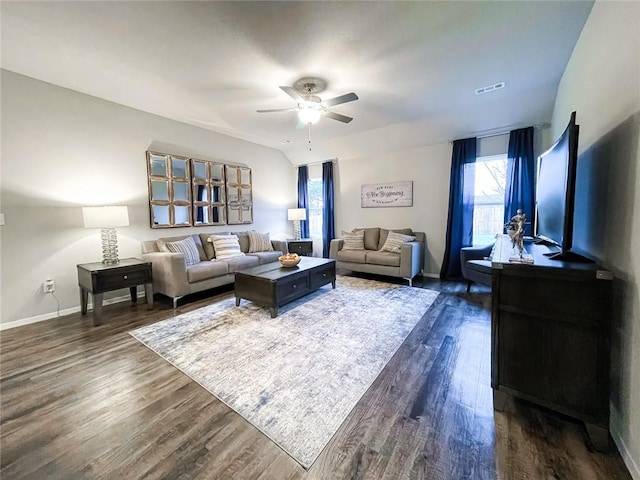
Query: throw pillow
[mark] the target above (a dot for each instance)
(187, 247)
(353, 240)
(259, 242)
(394, 242)
(371, 237)
(162, 244)
(207, 246)
(243, 238)
(225, 246)
(384, 232)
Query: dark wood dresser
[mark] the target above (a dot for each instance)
(551, 329)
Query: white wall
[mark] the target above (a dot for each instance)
(427, 167)
(62, 150)
(602, 83)
(499, 144)
(493, 145)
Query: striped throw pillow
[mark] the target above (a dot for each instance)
(353, 240)
(225, 246)
(395, 241)
(259, 242)
(187, 247)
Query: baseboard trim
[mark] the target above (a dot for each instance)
(67, 311)
(431, 275)
(625, 453)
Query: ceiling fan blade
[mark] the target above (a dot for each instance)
(293, 93)
(347, 97)
(338, 116)
(277, 110)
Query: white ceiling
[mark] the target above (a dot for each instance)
(414, 65)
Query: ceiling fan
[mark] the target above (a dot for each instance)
(311, 107)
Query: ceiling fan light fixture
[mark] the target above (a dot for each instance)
(310, 107)
(309, 114)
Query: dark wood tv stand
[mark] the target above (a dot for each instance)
(550, 327)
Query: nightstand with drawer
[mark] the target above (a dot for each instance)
(303, 247)
(97, 278)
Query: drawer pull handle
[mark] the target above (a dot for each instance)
(324, 274)
(294, 285)
(125, 277)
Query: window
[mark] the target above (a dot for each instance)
(315, 207)
(488, 210)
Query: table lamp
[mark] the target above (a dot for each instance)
(106, 219)
(297, 214)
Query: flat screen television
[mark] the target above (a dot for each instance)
(555, 193)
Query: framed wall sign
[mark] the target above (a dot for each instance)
(397, 194)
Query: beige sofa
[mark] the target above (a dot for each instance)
(406, 264)
(173, 278)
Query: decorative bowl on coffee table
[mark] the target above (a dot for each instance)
(289, 259)
(290, 263)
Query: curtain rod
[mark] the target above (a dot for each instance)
(332, 160)
(539, 126)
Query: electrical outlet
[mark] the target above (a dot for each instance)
(49, 286)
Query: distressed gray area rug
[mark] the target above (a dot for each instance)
(295, 377)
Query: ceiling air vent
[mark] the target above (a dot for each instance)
(489, 88)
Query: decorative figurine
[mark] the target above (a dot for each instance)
(515, 230)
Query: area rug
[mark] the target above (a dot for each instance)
(295, 377)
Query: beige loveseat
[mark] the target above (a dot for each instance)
(407, 263)
(174, 278)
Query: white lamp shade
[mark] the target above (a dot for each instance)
(105, 217)
(309, 115)
(297, 214)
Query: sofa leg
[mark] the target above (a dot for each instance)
(175, 302)
(468, 286)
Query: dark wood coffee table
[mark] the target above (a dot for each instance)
(272, 285)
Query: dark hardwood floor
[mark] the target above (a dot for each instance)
(84, 402)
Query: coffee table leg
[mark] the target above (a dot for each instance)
(333, 284)
(237, 301)
(274, 312)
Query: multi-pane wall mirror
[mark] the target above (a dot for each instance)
(169, 190)
(239, 195)
(191, 192)
(208, 193)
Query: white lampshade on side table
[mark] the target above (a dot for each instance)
(297, 214)
(106, 219)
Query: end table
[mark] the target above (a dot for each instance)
(97, 278)
(304, 246)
